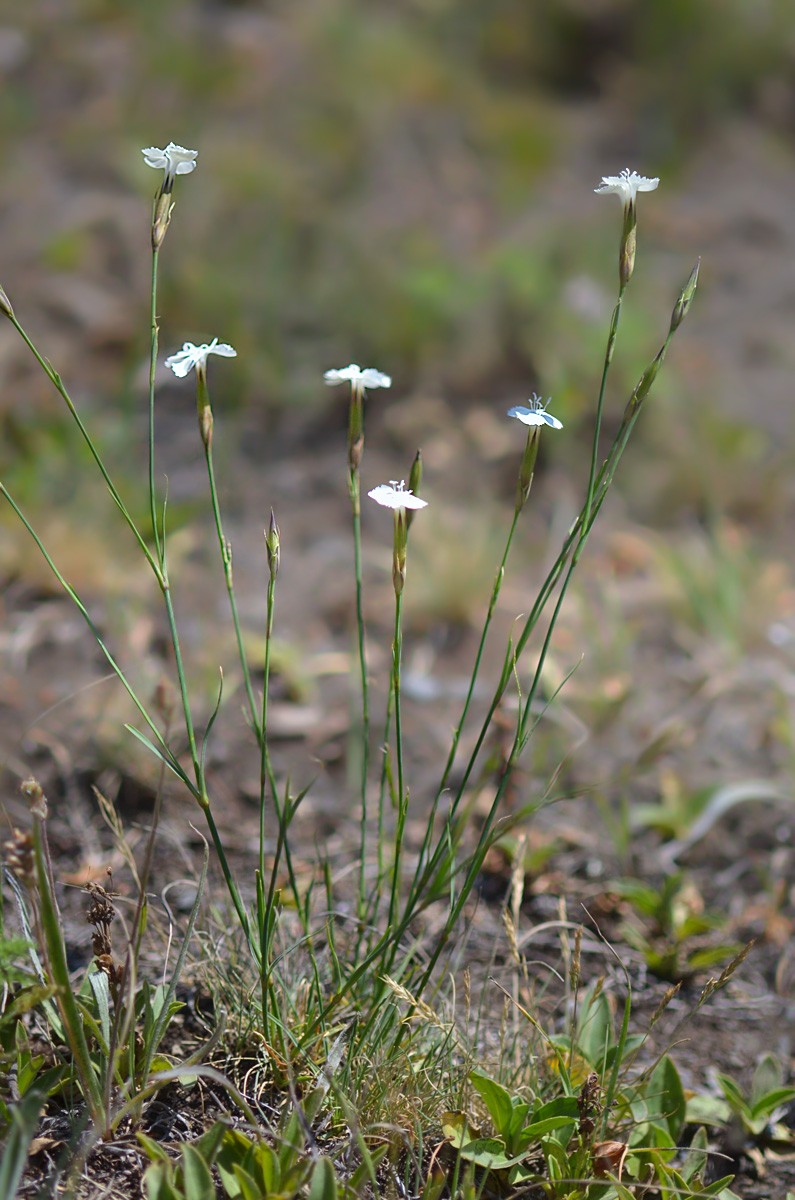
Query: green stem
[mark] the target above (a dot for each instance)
(495, 592)
(57, 382)
(397, 646)
(154, 334)
(611, 344)
(198, 770)
(226, 559)
(231, 886)
(354, 489)
(72, 594)
(266, 770)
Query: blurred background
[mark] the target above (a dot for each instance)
(409, 184)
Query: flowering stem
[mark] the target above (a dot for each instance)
(397, 646)
(231, 886)
(226, 559)
(576, 538)
(266, 770)
(386, 777)
(492, 605)
(354, 488)
(611, 344)
(154, 332)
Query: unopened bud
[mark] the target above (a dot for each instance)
(644, 383)
(356, 429)
(273, 546)
(5, 304)
(527, 469)
(626, 263)
(415, 482)
(682, 306)
(206, 426)
(164, 206)
(399, 550)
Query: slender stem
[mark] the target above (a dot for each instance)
(386, 773)
(183, 690)
(397, 645)
(231, 886)
(154, 334)
(57, 382)
(72, 594)
(266, 773)
(354, 488)
(492, 605)
(611, 344)
(226, 558)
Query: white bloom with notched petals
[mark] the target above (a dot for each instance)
(394, 495)
(191, 356)
(174, 160)
(626, 185)
(534, 413)
(358, 377)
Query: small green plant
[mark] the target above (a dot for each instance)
(756, 1112)
(672, 922)
(108, 1030)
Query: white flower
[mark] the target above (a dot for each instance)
(358, 377)
(392, 495)
(174, 160)
(191, 356)
(626, 185)
(535, 413)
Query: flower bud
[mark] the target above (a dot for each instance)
(164, 206)
(206, 426)
(356, 429)
(273, 546)
(682, 306)
(415, 482)
(526, 470)
(5, 304)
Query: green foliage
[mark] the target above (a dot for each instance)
(672, 919)
(756, 1112)
(249, 1168)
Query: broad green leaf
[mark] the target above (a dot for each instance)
(497, 1098)
(98, 981)
(594, 1029)
(210, 1142)
(249, 1188)
(707, 1110)
(324, 1181)
(697, 1157)
(665, 1097)
(152, 1148)
(198, 1180)
(767, 1078)
(158, 1181)
(24, 1118)
(773, 1100)
(733, 1094)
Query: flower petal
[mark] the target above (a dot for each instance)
(395, 497)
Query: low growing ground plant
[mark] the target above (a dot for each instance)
(364, 1074)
